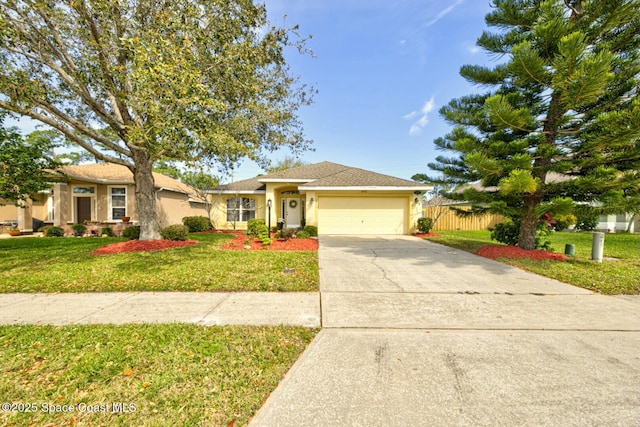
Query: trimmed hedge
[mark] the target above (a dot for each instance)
(425, 225)
(54, 231)
(175, 232)
(132, 233)
(302, 235)
(311, 229)
(197, 223)
(107, 231)
(79, 229)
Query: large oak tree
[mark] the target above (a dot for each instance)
(560, 120)
(135, 81)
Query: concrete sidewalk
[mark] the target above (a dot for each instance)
(203, 308)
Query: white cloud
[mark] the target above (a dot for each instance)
(423, 121)
(410, 116)
(444, 12)
(474, 49)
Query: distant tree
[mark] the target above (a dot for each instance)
(561, 121)
(26, 166)
(136, 81)
(202, 184)
(56, 140)
(284, 164)
(167, 168)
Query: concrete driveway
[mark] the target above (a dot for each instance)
(420, 334)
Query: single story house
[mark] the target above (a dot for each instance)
(337, 199)
(619, 222)
(101, 193)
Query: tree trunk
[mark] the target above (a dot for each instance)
(631, 221)
(146, 196)
(528, 228)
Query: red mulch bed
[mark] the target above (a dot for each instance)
(423, 235)
(494, 252)
(142, 245)
(239, 243)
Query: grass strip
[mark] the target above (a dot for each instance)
(143, 375)
(618, 274)
(68, 265)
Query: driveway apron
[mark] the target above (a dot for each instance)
(416, 333)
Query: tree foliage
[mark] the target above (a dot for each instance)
(136, 81)
(26, 165)
(560, 119)
(287, 162)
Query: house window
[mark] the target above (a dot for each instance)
(241, 209)
(118, 202)
(84, 190)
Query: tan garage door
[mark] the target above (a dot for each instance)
(362, 215)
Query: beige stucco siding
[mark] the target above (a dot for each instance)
(219, 211)
(172, 207)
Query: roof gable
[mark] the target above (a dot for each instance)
(110, 173)
(324, 175)
(354, 177)
(310, 172)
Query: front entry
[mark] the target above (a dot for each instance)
(83, 209)
(293, 212)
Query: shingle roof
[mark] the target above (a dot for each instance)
(354, 177)
(308, 172)
(324, 175)
(110, 173)
(245, 185)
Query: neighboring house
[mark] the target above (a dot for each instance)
(102, 193)
(337, 199)
(606, 223)
(618, 223)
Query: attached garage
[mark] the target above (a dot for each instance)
(363, 215)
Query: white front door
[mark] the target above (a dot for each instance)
(292, 208)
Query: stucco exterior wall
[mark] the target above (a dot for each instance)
(172, 207)
(219, 210)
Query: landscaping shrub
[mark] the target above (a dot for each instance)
(175, 232)
(54, 231)
(586, 220)
(302, 235)
(132, 233)
(257, 226)
(107, 231)
(425, 225)
(197, 223)
(563, 222)
(312, 230)
(506, 232)
(79, 229)
(286, 233)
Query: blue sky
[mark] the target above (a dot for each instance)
(383, 69)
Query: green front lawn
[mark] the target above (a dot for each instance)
(619, 273)
(67, 265)
(181, 375)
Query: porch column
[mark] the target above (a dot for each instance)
(60, 204)
(25, 220)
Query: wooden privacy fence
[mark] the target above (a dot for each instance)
(450, 221)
